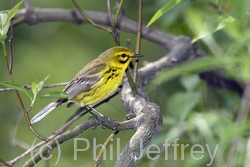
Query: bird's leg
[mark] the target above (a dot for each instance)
(94, 111)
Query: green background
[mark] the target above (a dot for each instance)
(62, 49)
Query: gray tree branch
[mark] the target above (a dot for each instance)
(34, 16)
(92, 122)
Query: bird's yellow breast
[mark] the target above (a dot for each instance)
(110, 80)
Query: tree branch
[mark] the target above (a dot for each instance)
(93, 121)
(37, 15)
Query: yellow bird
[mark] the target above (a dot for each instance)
(95, 82)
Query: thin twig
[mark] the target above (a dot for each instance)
(116, 33)
(11, 46)
(118, 11)
(27, 152)
(20, 144)
(49, 86)
(2, 162)
(138, 39)
(70, 121)
(106, 144)
(109, 12)
(29, 86)
(131, 81)
(89, 20)
(14, 128)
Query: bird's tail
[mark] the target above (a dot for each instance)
(45, 111)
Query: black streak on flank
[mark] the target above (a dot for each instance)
(112, 72)
(110, 77)
(107, 72)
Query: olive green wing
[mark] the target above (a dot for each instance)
(84, 80)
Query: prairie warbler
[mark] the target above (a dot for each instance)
(95, 82)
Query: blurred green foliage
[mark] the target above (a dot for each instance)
(192, 111)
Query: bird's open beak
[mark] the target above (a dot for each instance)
(136, 56)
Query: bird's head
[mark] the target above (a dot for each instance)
(119, 56)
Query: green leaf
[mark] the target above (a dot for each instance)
(55, 95)
(34, 88)
(37, 86)
(41, 83)
(16, 87)
(3, 23)
(181, 103)
(5, 18)
(163, 10)
(12, 12)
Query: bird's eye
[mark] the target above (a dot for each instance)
(124, 55)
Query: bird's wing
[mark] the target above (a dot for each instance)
(84, 80)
